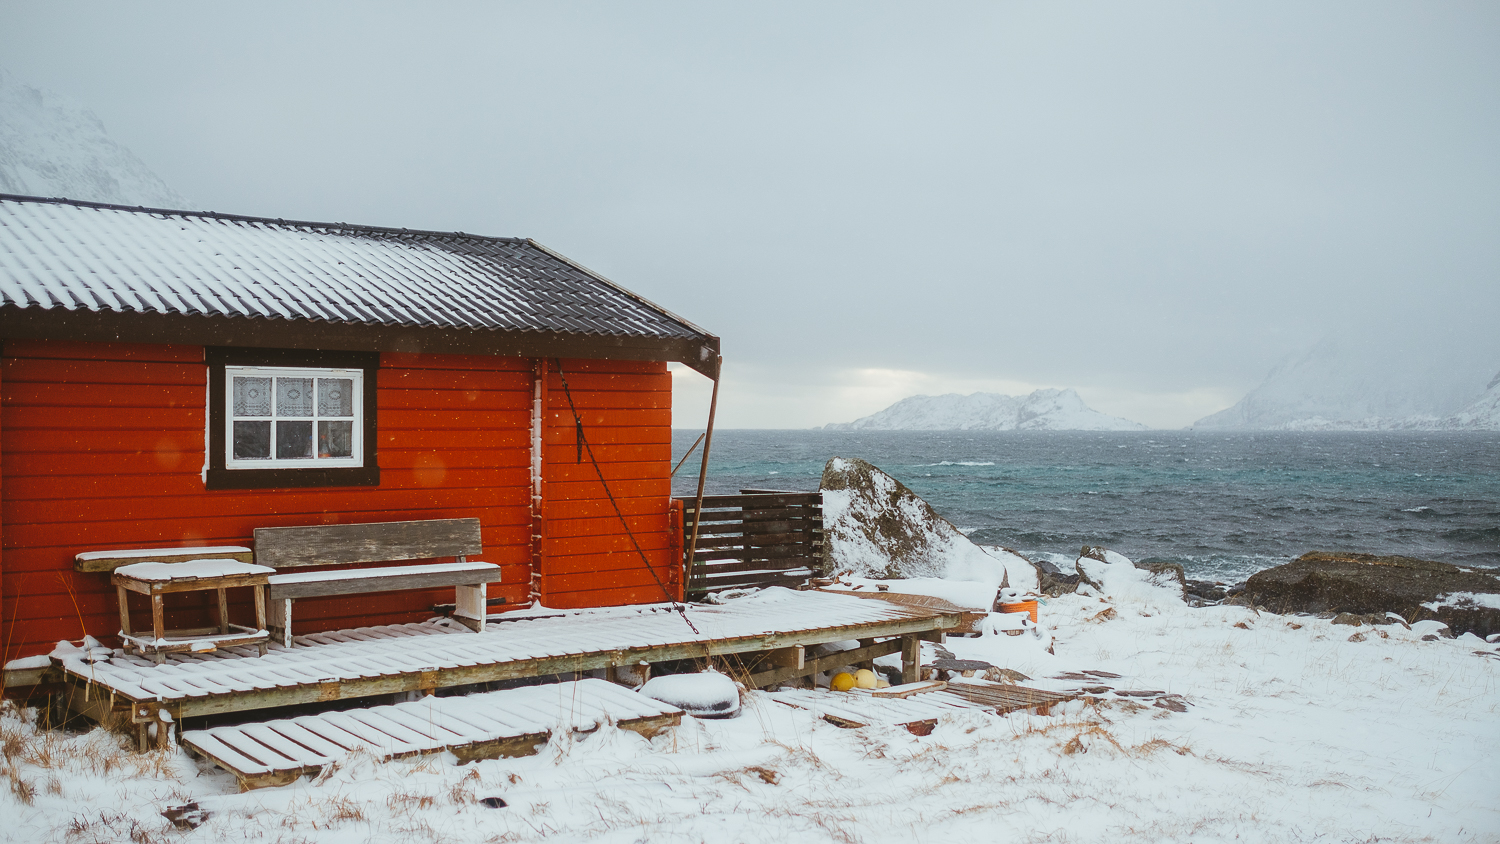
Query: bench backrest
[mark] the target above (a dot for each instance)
(324, 545)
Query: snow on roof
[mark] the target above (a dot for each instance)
(57, 253)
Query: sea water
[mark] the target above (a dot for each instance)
(1224, 505)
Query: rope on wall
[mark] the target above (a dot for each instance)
(583, 446)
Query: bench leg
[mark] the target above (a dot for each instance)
(279, 620)
(469, 606)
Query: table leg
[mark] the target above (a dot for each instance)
(124, 610)
(158, 624)
(223, 611)
(260, 613)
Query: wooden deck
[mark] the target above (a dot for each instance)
(367, 662)
(489, 725)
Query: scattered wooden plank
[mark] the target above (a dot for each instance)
(909, 689)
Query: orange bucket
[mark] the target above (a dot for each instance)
(1021, 606)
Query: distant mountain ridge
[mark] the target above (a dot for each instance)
(1043, 410)
(1370, 383)
(50, 146)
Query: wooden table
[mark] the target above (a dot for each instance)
(156, 579)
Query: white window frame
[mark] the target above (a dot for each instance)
(357, 445)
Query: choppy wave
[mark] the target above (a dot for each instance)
(962, 463)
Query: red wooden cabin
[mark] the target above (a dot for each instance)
(433, 366)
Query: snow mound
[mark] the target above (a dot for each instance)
(1043, 410)
(1116, 578)
(874, 526)
(706, 695)
(51, 146)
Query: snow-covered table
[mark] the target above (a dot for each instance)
(155, 580)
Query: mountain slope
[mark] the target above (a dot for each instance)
(1043, 410)
(50, 146)
(1374, 381)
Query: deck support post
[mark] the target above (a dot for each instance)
(911, 659)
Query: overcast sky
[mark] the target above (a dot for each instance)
(1153, 203)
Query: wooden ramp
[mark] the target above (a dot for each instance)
(919, 712)
(513, 722)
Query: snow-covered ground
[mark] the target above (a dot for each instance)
(1296, 730)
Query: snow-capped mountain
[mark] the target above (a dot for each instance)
(1043, 410)
(1482, 415)
(1368, 383)
(50, 146)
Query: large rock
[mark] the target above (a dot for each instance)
(1467, 600)
(874, 526)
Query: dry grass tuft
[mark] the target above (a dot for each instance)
(1155, 745)
(1104, 615)
(343, 809)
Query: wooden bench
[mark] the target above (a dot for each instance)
(383, 542)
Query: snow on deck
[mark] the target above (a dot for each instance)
(394, 650)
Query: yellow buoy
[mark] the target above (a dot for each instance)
(842, 682)
(864, 678)
(882, 683)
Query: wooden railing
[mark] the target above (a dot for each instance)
(754, 539)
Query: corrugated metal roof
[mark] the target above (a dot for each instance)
(78, 255)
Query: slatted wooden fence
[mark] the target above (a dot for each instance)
(755, 539)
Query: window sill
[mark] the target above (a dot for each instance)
(289, 478)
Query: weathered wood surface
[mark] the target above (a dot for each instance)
(364, 662)
(1003, 698)
(513, 722)
(92, 561)
(378, 542)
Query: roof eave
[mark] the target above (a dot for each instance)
(699, 353)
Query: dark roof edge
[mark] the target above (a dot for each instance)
(622, 290)
(245, 218)
(36, 323)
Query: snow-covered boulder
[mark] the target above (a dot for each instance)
(874, 526)
(706, 695)
(1112, 575)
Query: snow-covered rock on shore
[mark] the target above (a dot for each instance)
(874, 526)
(1043, 410)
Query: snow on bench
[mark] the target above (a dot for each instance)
(512, 722)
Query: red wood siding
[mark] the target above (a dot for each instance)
(103, 448)
(589, 560)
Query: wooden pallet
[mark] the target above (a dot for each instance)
(513, 722)
(1004, 698)
(919, 710)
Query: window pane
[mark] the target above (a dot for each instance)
(294, 398)
(252, 397)
(293, 439)
(335, 439)
(252, 440)
(335, 397)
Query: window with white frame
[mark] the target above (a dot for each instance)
(286, 418)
